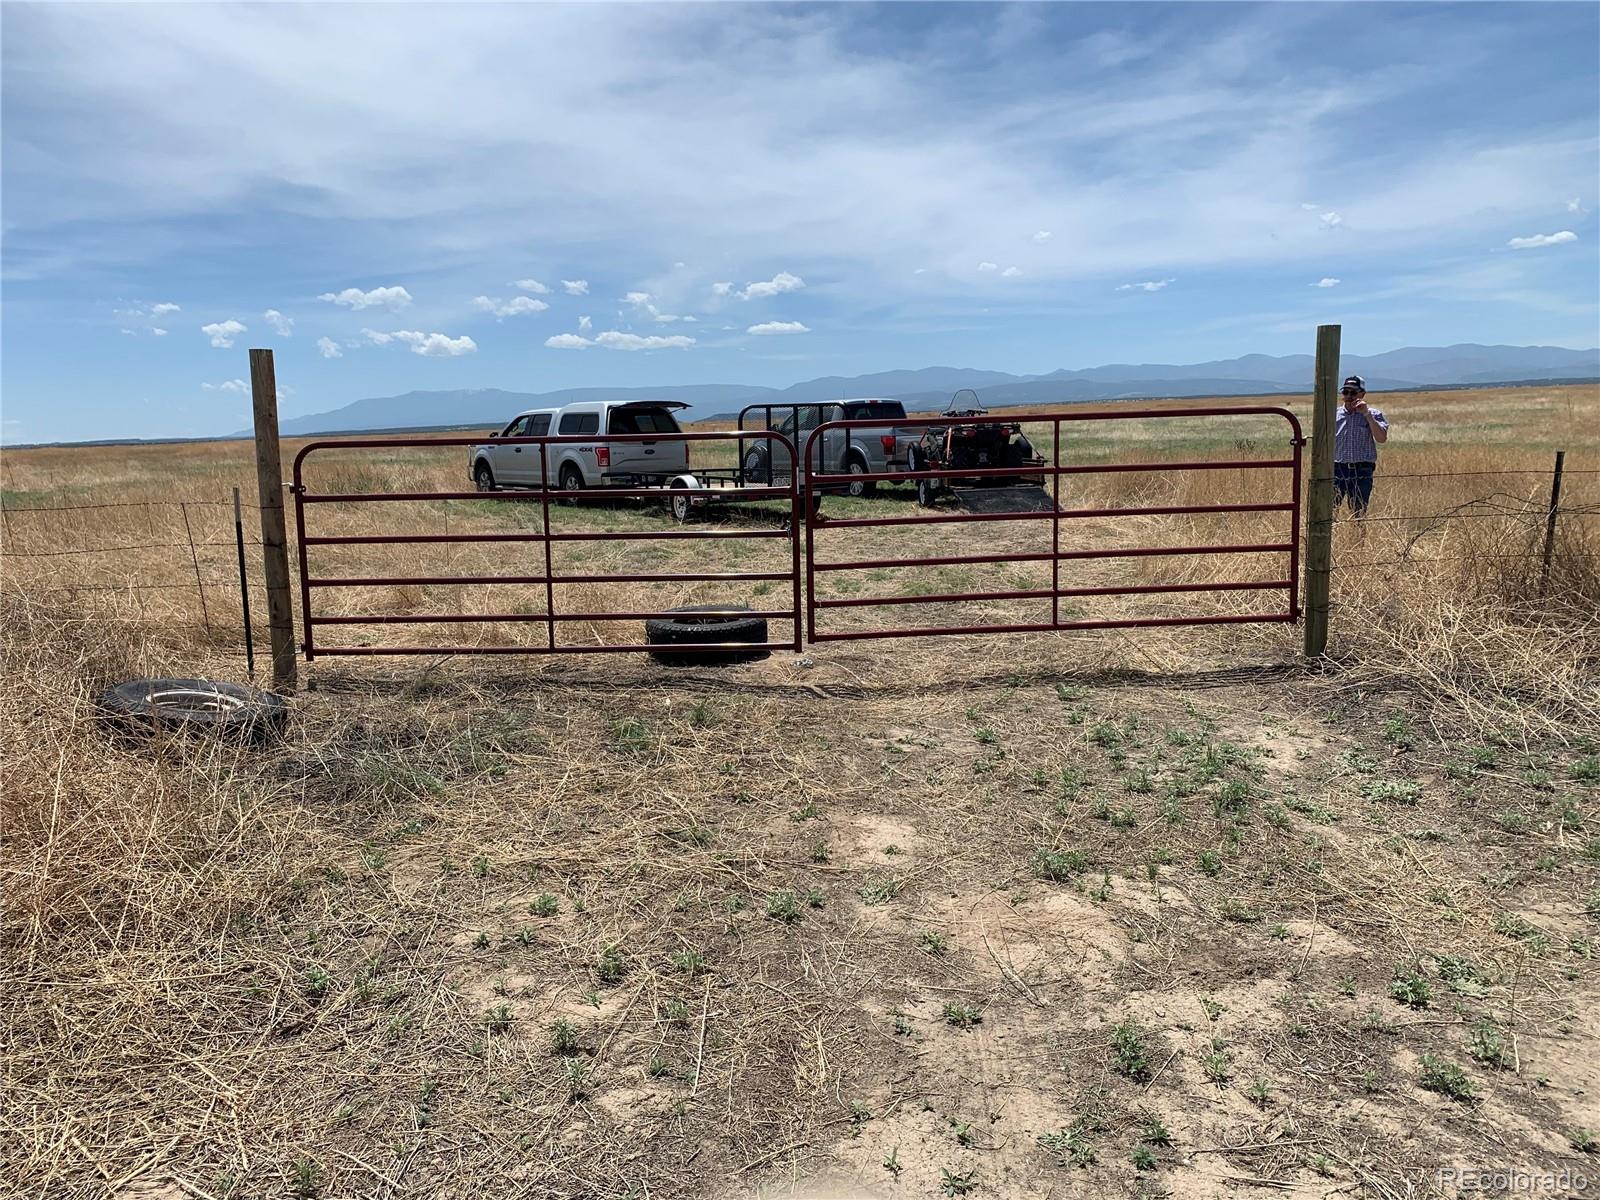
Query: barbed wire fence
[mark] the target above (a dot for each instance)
(37, 536)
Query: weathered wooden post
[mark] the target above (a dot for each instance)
(274, 545)
(1319, 493)
(1550, 522)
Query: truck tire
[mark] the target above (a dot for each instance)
(483, 477)
(570, 480)
(192, 705)
(756, 470)
(685, 627)
(859, 488)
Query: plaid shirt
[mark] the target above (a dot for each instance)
(1352, 439)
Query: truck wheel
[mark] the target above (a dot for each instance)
(859, 488)
(755, 469)
(483, 477)
(571, 481)
(685, 626)
(192, 705)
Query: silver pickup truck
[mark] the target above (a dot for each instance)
(873, 448)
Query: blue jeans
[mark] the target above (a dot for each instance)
(1353, 482)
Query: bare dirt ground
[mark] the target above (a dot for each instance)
(1030, 927)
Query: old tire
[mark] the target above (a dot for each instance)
(686, 627)
(193, 706)
(926, 493)
(483, 477)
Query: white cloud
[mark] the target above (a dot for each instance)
(778, 327)
(584, 323)
(1149, 285)
(223, 333)
(1042, 236)
(1011, 272)
(227, 385)
(721, 289)
(161, 310)
(568, 341)
(988, 266)
(612, 340)
(1575, 205)
(1332, 219)
(329, 348)
(779, 283)
(1310, 207)
(576, 287)
(436, 345)
(1326, 281)
(158, 333)
(130, 332)
(393, 298)
(530, 285)
(433, 345)
(1542, 239)
(517, 306)
(281, 325)
(638, 299)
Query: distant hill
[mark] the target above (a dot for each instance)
(929, 387)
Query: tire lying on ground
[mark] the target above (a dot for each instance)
(194, 706)
(687, 626)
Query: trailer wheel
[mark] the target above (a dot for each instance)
(192, 705)
(927, 493)
(685, 626)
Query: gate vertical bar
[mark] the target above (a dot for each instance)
(1319, 499)
(794, 532)
(1550, 521)
(1298, 442)
(549, 558)
(1055, 529)
(274, 543)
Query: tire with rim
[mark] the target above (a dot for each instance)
(483, 477)
(755, 468)
(571, 480)
(192, 706)
(925, 493)
(859, 488)
(692, 625)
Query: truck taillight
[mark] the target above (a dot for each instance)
(602, 455)
(888, 443)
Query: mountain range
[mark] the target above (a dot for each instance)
(928, 388)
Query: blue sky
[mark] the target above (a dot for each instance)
(416, 197)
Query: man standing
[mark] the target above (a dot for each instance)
(1357, 433)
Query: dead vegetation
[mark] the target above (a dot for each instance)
(1112, 913)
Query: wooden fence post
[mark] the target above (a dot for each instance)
(1319, 493)
(274, 545)
(1550, 522)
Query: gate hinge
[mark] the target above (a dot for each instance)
(297, 489)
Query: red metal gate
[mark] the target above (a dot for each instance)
(818, 482)
(545, 575)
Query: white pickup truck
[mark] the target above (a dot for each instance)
(574, 466)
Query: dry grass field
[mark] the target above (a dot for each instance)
(1102, 913)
